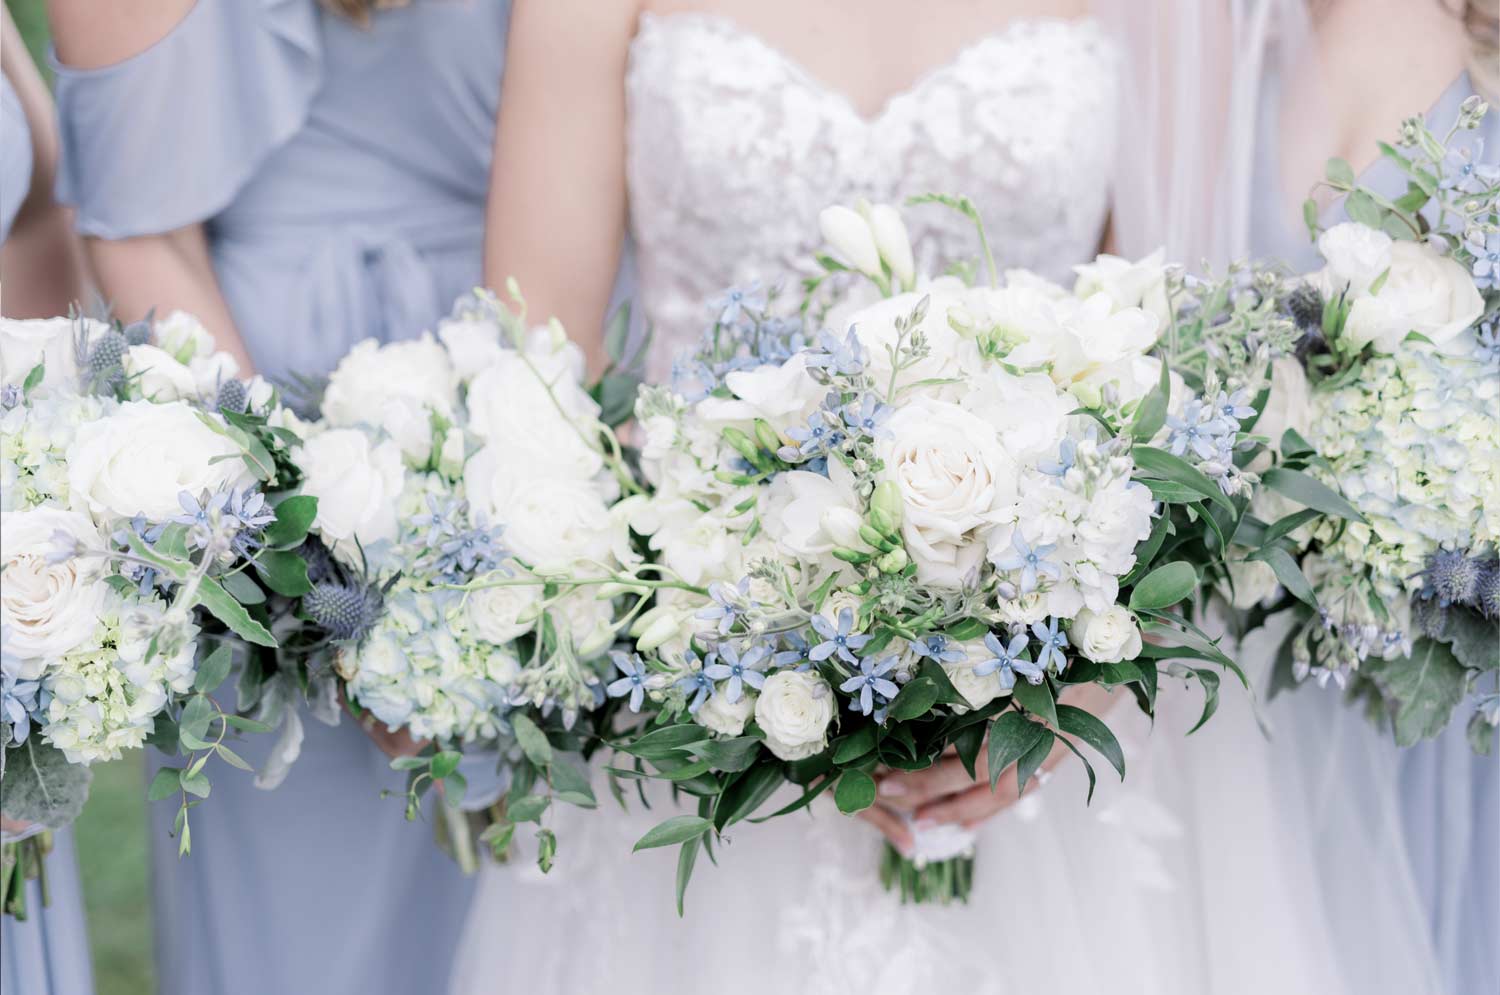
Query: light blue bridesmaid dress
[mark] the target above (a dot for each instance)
(48, 954)
(341, 172)
(1447, 798)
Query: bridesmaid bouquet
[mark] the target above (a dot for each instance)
(465, 555)
(139, 520)
(1391, 392)
(915, 533)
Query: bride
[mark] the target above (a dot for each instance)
(711, 133)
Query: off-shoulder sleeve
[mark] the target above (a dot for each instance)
(167, 137)
(15, 157)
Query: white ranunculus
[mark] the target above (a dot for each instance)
(850, 237)
(48, 609)
(1141, 284)
(50, 341)
(1424, 292)
(357, 484)
(794, 710)
(511, 408)
(894, 243)
(501, 614)
(954, 478)
(156, 375)
(138, 459)
(472, 344)
(552, 521)
(396, 387)
(1356, 255)
(726, 718)
(183, 337)
(1107, 636)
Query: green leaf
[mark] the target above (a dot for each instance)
(1339, 173)
(443, 763)
(1160, 463)
(1210, 683)
(666, 742)
(211, 595)
(915, 700)
(294, 516)
(1309, 492)
(195, 784)
(617, 333)
(1032, 761)
(1361, 208)
(1151, 415)
(232, 758)
(192, 726)
(244, 724)
(686, 859)
(1474, 641)
(1425, 687)
(1310, 217)
(408, 763)
(1165, 586)
(1287, 571)
(967, 629)
(283, 571)
(546, 849)
(1011, 736)
(527, 809)
(34, 377)
(243, 589)
(1036, 699)
(532, 740)
(967, 743)
(571, 785)
(213, 670)
(748, 793)
(1087, 727)
(1288, 525)
(678, 829)
(1481, 734)
(856, 744)
(165, 784)
(855, 792)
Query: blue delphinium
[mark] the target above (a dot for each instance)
(870, 682)
(1031, 561)
(729, 604)
(634, 681)
(1051, 642)
(936, 647)
(738, 667)
(1486, 249)
(1006, 659)
(838, 639)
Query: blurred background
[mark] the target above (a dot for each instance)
(111, 835)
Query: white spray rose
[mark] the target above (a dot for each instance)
(501, 614)
(24, 344)
(719, 715)
(48, 609)
(1107, 636)
(396, 387)
(357, 485)
(1424, 292)
(139, 458)
(794, 710)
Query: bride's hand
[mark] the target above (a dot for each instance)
(392, 742)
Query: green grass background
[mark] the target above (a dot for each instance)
(111, 834)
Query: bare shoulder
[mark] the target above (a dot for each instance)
(92, 35)
(587, 23)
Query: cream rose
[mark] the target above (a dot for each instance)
(977, 690)
(48, 608)
(138, 459)
(794, 710)
(357, 484)
(1107, 636)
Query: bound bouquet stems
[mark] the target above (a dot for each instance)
(21, 862)
(941, 881)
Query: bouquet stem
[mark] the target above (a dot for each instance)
(940, 881)
(21, 862)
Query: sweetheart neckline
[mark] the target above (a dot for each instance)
(727, 24)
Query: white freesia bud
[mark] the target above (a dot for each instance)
(451, 456)
(649, 618)
(597, 641)
(841, 524)
(893, 242)
(849, 235)
(1108, 636)
(659, 631)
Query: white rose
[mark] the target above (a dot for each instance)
(894, 243)
(555, 356)
(850, 237)
(501, 614)
(183, 337)
(719, 715)
(511, 408)
(472, 344)
(139, 458)
(1356, 256)
(977, 690)
(1424, 292)
(396, 387)
(357, 485)
(815, 514)
(552, 521)
(48, 609)
(794, 710)
(1107, 636)
(1141, 284)
(157, 376)
(49, 341)
(955, 480)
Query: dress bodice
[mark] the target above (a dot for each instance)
(733, 149)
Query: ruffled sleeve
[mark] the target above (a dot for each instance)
(168, 137)
(15, 157)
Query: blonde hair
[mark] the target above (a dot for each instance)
(1482, 21)
(359, 10)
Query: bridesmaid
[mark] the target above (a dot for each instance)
(1443, 805)
(48, 954)
(301, 176)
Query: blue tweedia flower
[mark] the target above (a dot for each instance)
(10, 396)
(870, 682)
(1231, 409)
(1486, 252)
(1032, 562)
(1198, 429)
(634, 681)
(816, 439)
(1464, 169)
(145, 577)
(840, 639)
(226, 519)
(1008, 661)
(1067, 458)
(796, 654)
(692, 378)
(1052, 642)
(475, 550)
(738, 668)
(441, 519)
(729, 604)
(698, 686)
(935, 647)
(201, 515)
(867, 416)
(737, 300)
(845, 357)
(1487, 342)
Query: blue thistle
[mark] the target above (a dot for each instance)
(1487, 591)
(1453, 576)
(344, 611)
(233, 396)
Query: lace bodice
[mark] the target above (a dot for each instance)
(733, 149)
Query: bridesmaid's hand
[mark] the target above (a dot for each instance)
(392, 742)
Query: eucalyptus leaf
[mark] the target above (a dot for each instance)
(677, 829)
(213, 670)
(532, 740)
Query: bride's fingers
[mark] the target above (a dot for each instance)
(892, 826)
(972, 807)
(910, 789)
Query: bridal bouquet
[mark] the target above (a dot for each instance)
(464, 555)
(138, 519)
(1391, 393)
(915, 531)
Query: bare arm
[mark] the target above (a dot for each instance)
(165, 271)
(556, 214)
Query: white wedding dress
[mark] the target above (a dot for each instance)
(1187, 879)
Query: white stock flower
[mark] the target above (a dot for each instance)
(357, 484)
(48, 608)
(794, 711)
(49, 341)
(1107, 636)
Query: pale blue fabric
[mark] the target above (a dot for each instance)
(15, 157)
(341, 172)
(1448, 797)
